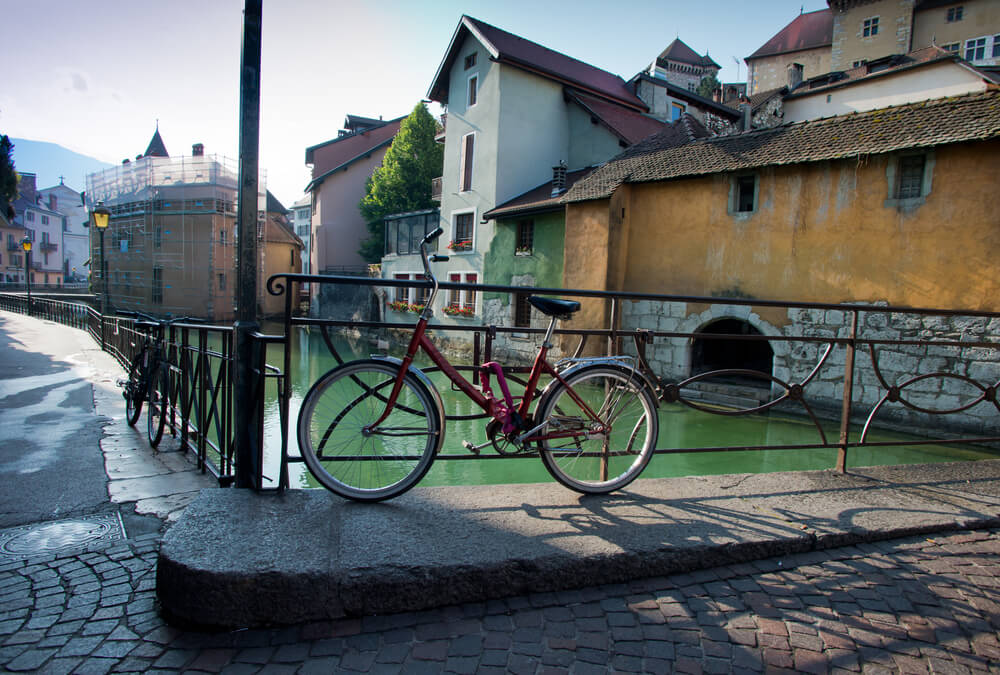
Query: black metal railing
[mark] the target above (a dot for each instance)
(832, 362)
(850, 366)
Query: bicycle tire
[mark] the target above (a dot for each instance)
(599, 462)
(157, 403)
(135, 389)
(377, 466)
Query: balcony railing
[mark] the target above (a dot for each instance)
(48, 246)
(436, 188)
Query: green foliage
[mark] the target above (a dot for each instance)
(403, 182)
(708, 86)
(8, 176)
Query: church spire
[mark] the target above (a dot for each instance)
(156, 147)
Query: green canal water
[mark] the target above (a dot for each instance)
(680, 427)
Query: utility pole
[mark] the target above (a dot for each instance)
(246, 436)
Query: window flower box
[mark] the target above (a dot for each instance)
(416, 309)
(452, 310)
(465, 245)
(523, 250)
(399, 306)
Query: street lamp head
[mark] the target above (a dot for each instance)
(101, 215)
(26, 245)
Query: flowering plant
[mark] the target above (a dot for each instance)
(400, 306)
(416, 309)
(524, 250)
(455, 310)
(463, 245)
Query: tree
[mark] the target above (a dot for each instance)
(403, 181)
(8, 176)
(708, 86)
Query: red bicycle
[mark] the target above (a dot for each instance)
(370, 429)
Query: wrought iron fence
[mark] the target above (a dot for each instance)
(928, 371)
(931, 371)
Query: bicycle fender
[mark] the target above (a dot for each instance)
(426, 381)
(603, 363)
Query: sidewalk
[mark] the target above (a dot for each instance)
(802, 571)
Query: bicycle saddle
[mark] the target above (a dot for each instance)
(561, 309)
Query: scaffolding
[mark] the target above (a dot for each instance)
(171, 243)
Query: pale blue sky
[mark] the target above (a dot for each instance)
(96, 76)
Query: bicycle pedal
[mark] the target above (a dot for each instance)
(472, 448)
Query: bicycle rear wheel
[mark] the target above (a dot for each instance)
(135, 389)
(606, 453)
(157, 403)
(384, 462)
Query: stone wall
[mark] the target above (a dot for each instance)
(927, 376)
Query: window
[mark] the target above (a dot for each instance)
(422, 293)
(404, 234)
(30, 216)
(952, 47)
(911, 177)
(869, 27)
(468, 154)
(676, 110)
(955, 14)
(522, 311)
(45, 220)
(461, 301)
(402, 292)
(157, 237)
(743, 197)
(222, 237)
(222, 281)
(470, 60)
(996, 46)
(157, 296)
(525, 236)
(473, 90)
(975, 49)
(463, 232)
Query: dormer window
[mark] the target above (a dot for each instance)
(470, 60)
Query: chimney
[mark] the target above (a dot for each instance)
(559, 179)
(794, 75)
(745, 117)
(26, 187)
(198, 150)
(126, 161)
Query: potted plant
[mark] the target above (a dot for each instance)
(463, 245)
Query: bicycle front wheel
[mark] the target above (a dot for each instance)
(135, 389)
(157, 403)
(602, 438)
(374, 464)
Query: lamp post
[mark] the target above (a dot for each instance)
(26, 245)
(101, 216)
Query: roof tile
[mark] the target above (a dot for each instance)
(913, 125)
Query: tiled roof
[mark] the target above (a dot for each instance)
(878, 68)
(627, 124)
(762, 97)
(676, 91)
(156, 148)
(914, 125)
(514, 50)
(806, 31)
(536, 200)
(343, 151)
(678, 51)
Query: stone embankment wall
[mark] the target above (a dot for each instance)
(927, 376)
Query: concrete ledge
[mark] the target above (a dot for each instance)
(240, 559)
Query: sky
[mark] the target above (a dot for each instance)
(97, 77)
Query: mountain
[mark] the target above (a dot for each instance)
(49, 161)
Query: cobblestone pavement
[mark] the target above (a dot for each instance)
(910, 606)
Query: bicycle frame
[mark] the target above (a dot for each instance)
(500, 411)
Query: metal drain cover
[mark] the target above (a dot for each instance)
(60, 535)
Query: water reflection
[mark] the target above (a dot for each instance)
(680, 427)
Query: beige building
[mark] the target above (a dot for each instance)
(804, 41)
(865, 31)
(170, 247)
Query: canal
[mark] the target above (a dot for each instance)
(680, 427)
